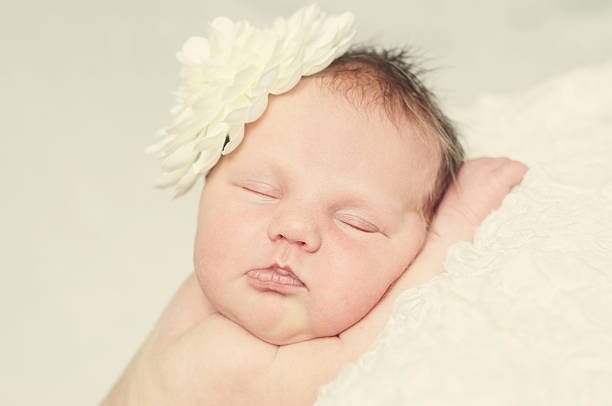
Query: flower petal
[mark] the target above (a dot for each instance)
(196, 50)
(170, 178)
(258, 107)
(238, 116)
(235, 138)
(186, 182)
(179, 158)
(206, 161)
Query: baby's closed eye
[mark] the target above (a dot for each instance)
(261, 190)
(356, 222)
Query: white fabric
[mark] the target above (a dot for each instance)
(524, 315)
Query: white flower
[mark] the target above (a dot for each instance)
(227, 79)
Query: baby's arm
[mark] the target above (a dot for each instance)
(481, 186)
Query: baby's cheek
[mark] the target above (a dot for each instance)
(351, 305)
(355, 281)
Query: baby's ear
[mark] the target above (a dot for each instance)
(480, 188)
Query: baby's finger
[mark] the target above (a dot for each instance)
(509, 174)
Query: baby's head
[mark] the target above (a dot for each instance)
(326, 201)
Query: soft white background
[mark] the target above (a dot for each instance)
(90, 252)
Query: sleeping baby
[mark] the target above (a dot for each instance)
(333, 203)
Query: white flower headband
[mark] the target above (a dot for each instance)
(227, 79)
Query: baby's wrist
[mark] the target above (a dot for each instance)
(450, 227)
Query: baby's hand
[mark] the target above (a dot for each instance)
(481, 187)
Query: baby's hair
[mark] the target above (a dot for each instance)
(394, 77)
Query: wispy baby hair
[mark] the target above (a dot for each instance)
(395, 78)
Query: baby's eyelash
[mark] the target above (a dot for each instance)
(261, 189)
(257, 192)
(358, 223)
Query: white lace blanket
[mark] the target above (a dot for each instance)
(524, 315)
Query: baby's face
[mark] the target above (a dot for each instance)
(304, 226)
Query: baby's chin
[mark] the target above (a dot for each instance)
(275, 331)
(282, 338)
(290, 329)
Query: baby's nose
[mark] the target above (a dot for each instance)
(295, 225)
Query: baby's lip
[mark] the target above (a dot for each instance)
(276, 274)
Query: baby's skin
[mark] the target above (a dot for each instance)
(196, 356)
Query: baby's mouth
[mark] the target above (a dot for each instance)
(275, 275)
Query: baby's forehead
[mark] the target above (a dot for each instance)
(367, 98)
(318, 125)
(374, 99)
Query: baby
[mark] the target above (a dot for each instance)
(304, 227)
(334, 203)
